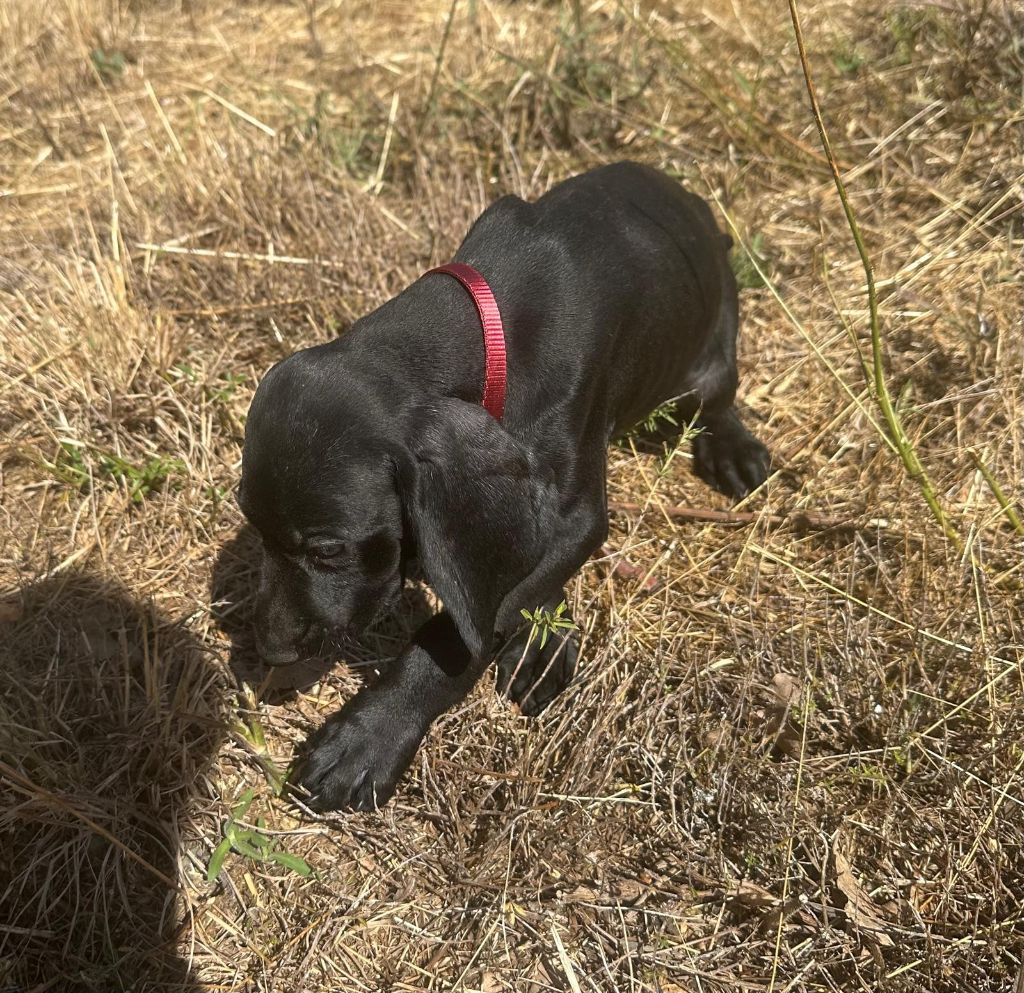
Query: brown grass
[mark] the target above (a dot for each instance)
(796, 764)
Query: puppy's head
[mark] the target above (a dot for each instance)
(318, 484)
(343, 482)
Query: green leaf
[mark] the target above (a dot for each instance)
(220, 853)
(293, 862)
(241, 844)
(261, 841)
(743, 82)
(243, 805)
(847, 60)
(107, 64)
(743, 265)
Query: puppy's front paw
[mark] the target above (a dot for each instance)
(532, 676)
(355, 760)
(729, 458)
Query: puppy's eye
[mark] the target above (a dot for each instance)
(327, 551)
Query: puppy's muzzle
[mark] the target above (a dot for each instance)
(277, 647)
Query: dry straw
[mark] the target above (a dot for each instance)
(793, 755)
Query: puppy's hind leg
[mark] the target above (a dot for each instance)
(725, 454)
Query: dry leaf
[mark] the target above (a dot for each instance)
(860, 908)
(787, 689)
(750, 896)
(10, 611)
(625, 569)
(581, 894)
(625, 891)
(543, 980)
(491, 983)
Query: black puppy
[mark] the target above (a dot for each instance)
(373, 450)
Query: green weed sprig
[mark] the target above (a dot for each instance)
(251, 843)
(544, 623)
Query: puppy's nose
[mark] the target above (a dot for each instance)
(280, 631)
(274, 657)
(281, 647)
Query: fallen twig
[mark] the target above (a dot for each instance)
(798, 519)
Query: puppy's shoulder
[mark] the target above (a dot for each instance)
(509, 212)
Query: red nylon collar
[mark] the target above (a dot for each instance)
(495, 379)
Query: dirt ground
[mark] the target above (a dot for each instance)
(792, 759)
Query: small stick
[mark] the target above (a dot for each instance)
(429, 105)
(314, 37)
(236, 110)
(209, 253)
(799, 519)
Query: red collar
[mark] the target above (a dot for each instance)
(494, 334)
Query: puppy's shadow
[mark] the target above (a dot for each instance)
(110, 720)
(233, 603)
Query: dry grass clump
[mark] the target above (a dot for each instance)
(793, 759)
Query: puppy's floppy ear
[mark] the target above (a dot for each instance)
(481, 511)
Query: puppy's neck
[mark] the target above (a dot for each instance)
(425, 344)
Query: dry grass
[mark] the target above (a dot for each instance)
(795, 765)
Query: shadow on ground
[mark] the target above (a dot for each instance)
(111, 713)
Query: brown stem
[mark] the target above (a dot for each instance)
(798, 519)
